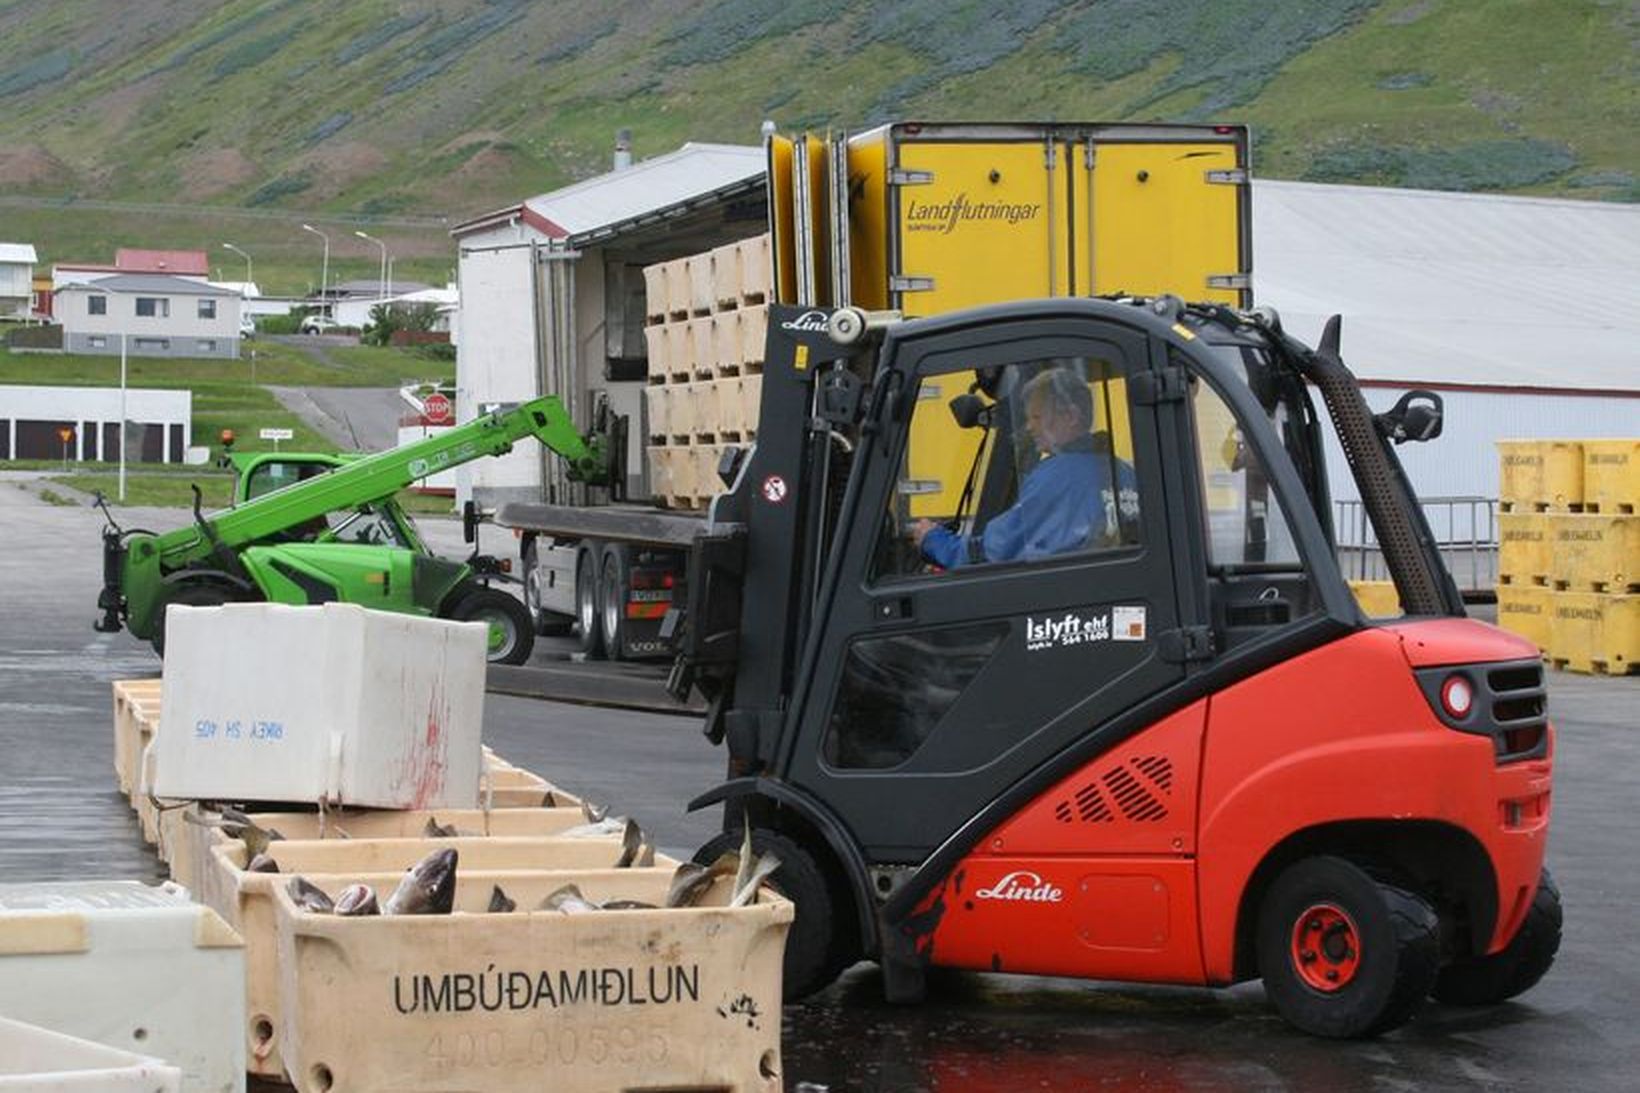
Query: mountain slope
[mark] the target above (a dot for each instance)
(451, 107)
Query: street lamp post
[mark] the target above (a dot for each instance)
(249, 279)
(122, 412)
(324, 275)
(381, 292)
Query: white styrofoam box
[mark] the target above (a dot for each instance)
(267, 702)
(34, 1060)
(141, 969)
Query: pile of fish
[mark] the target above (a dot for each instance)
(429, 886)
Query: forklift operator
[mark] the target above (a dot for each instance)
(1063, 501)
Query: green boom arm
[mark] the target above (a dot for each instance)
(148, 558)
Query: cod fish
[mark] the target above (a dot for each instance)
(636, 847)
(261, 863)
(436, 830)
(746, 891)
(237, 825)
(500, 902)
(599, 824)
(568, 900)
(357, 900)
(693, 880)
(428, 887)
(309, 896)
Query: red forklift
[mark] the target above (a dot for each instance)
(1158, 743)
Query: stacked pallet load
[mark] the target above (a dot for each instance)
(1569, 550)
(707, 316)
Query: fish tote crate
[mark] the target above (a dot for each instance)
(132, 698)
(1526, 610)
(246, 899)
(1523, 548)
(134, 967)
(1591, 632)
(1611, 476)
(36, 1060)
(189, 834)
(1595, 552)
(676, 999)
(1540, 475)
(266, 702)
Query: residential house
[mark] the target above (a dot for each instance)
(154, 316)
(17, 280)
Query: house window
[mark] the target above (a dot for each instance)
(97, 341)
(152, 343)
(153, 307)
(205, 345)
(96, 305)
(207, 309)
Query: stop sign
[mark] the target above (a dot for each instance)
(436, 408)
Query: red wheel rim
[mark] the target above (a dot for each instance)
(1326, 948)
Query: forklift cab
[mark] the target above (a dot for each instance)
(1186, 530)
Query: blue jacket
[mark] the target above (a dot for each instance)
(1062, 507)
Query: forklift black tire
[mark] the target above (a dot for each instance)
(192, 594)
(512, 631)
(612, 578)
(589, 632)
(1343, 955)
(1487, 980)
(809, 966)
(547, 623)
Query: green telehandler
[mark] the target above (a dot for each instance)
(311, 529)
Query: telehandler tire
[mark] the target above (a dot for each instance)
(512, 631)
(193, 594)
(1344, 955)
(1487, 980)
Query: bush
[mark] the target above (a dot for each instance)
(387, 318)
(278, 324)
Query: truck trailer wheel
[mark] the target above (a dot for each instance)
(809, 965)
(1344, 955)
(1485, 980)
(192, 594)
(612, 599)
(589, 633)
(512, 632)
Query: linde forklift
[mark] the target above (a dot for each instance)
(1169, 749)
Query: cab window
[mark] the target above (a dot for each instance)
(368, 526)
(1015, 464)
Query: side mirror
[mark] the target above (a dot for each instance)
(970, 410)
(1417, 416)
(469, 522)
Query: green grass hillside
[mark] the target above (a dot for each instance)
(238, 119)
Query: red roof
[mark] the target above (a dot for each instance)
(180, 263)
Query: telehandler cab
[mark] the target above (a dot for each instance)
(1170, 750)
(312, 529)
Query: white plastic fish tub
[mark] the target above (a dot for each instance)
(675, 999)
(136, 968)
(246, 899)
(268, 702)
(133, 700)
(37, 1060)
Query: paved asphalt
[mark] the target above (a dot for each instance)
(60, 816)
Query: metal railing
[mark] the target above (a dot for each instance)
(1465, 530)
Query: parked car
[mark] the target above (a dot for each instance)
(317, 324)
(247, 326)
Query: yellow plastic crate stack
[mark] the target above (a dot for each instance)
(1569, 550)
(707, 316)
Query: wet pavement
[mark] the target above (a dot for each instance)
(61, 817)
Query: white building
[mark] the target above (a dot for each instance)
(154, 316)
(35, 420)
(1522, 313)
(17, 280)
